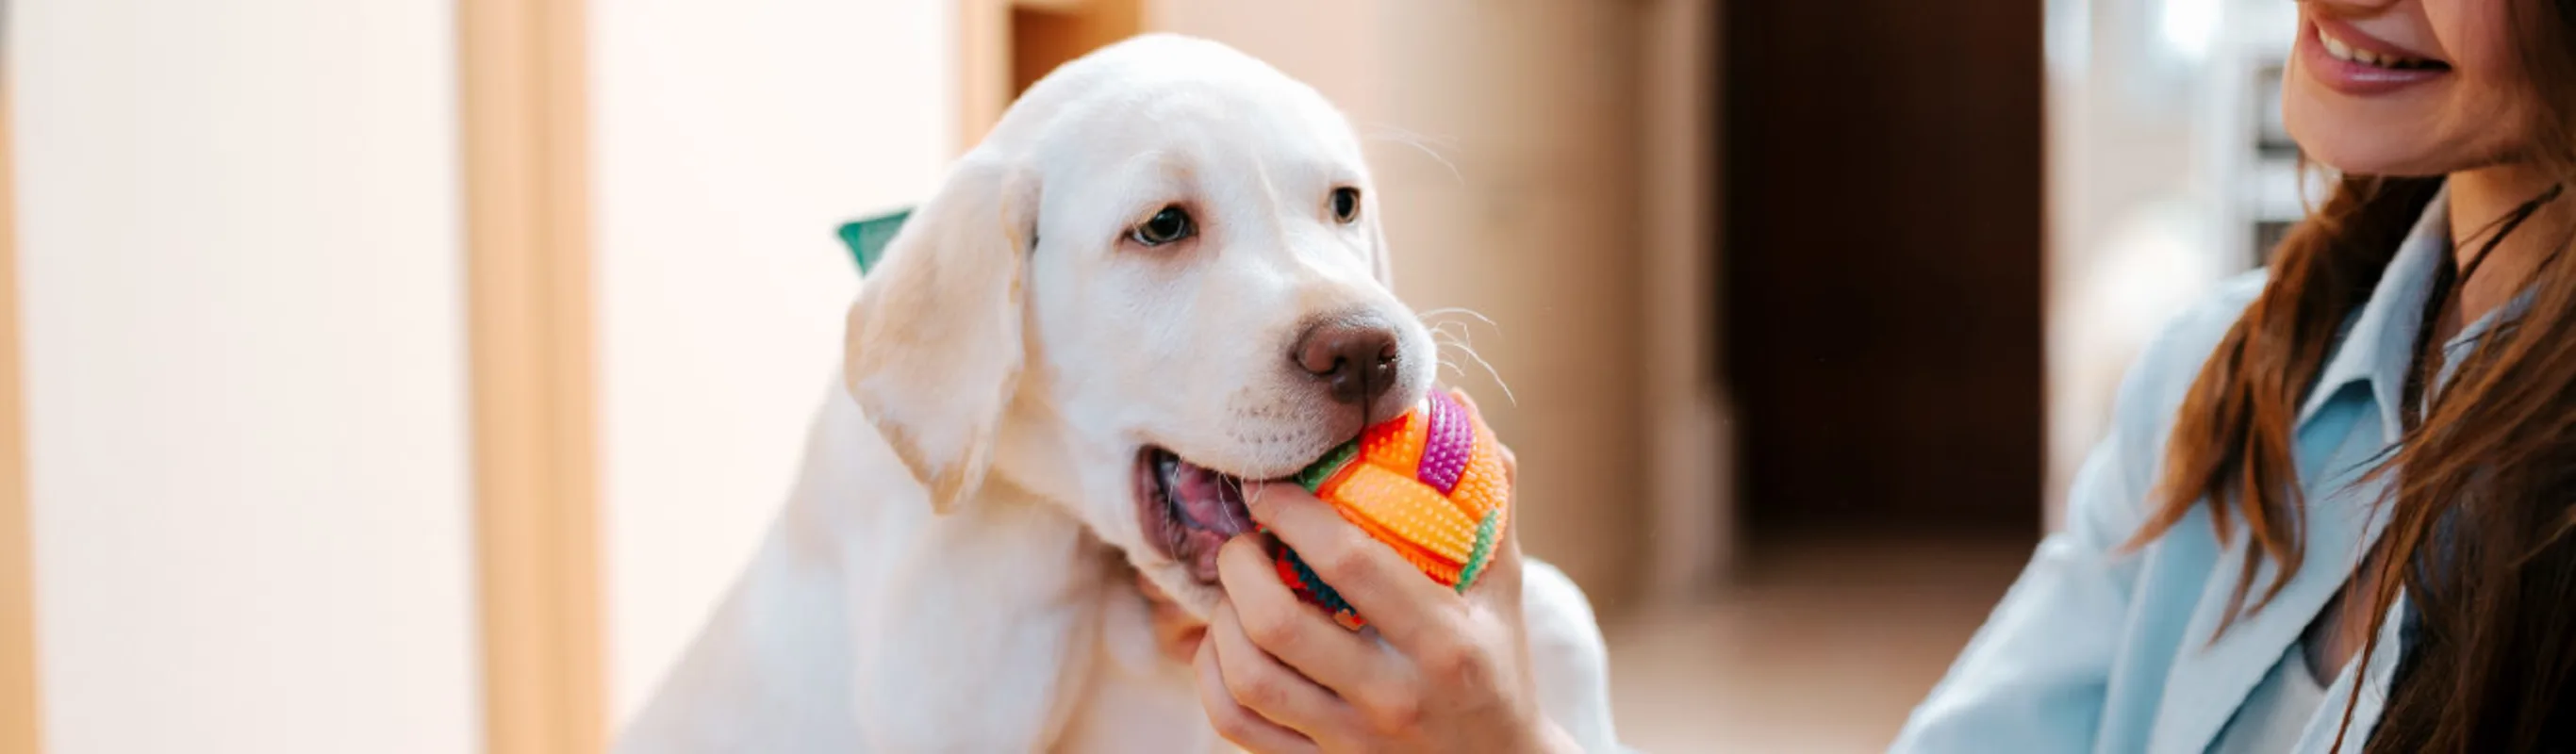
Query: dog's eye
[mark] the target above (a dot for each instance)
(1171, 224)
(1346, 204)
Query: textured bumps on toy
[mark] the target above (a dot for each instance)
(1429, 484)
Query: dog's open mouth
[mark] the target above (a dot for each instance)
(1188, 510)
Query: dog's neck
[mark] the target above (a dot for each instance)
(1122, 585)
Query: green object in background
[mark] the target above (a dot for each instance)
(868, 237)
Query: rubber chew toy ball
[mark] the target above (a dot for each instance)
(1429, 483)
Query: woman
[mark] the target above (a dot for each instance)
(2335, 508)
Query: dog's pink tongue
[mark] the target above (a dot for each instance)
(1211, 501)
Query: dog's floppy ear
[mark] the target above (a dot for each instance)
(934, 352)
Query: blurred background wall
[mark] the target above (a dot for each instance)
(241, 320)
(414, 375)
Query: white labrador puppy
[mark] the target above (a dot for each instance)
(1162, 272)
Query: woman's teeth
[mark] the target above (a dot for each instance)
(2343, 51)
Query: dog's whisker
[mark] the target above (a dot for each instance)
(1446, 311)
(1489, 371)
(1390, 132)
(1417, 142)
(1462, 336)
(1230, 519)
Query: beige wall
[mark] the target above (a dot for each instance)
(1691, 533)
(242, 328)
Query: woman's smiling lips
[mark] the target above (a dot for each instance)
(2346, 60)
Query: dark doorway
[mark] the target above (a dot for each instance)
(1882, 282)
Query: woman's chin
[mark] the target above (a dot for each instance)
(2377, 137)
(2374, 152)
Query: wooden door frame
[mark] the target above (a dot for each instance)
(21, 711)
(992, 44)
(525, 138)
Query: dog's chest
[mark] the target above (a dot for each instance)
(1131, 698)
(1123, 713)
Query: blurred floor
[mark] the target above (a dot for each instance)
(1823, 646)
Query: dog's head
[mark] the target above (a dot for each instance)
(1160, 274)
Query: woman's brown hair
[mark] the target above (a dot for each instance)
(2481, 493)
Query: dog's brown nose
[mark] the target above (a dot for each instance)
(1354, 356)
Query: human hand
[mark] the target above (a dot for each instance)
(1435, 671)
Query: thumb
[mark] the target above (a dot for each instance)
(1502, 577)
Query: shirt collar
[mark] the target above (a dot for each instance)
(2378, 346)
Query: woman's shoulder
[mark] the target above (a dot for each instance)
(2164, 370)
(2125, 467)
(2187, 340)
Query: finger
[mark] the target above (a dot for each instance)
(1392, 594)
(1500, 586)
(1296, 633)
(1241, 726)
(1503, 575)
(1269, 689)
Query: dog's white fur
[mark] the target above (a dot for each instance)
(944, 576)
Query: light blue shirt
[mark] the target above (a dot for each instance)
(2104, 650)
